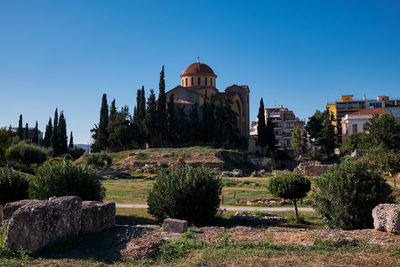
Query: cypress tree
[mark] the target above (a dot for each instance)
(71, 141)
(62, 134)
(270, 135)
(26, 135)
(48, 134)
(55, 144)
(161, 108)
(150, 122)
(142, 104)
(136, 109)
(20, 129)
(112, 122)
(261, 127)
(171, 120)
(194, 123)
(35, 138)
(102, 134)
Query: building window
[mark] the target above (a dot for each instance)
(198, 81)
(354, 126)
(186, 81)
(192, 82)
(205, 81)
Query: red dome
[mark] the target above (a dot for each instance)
(198, 68)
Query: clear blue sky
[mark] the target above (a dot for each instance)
(299, 54)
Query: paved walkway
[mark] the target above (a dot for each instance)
(144, 206)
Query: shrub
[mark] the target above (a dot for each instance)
(267, 164)
(5, 142)
(64, 179)
(291, 186)
(76, 152)
(315, 153)
(187, 193)
(346, 194)
(98, 160)
(26, 154)
(13, 186)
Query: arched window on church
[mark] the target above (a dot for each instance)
(205, 81)
(191, 84)
(211, 82)
(186, 82)
(198, 81)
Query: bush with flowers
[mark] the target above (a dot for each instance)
(346, 194)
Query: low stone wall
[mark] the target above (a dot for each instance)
(34, 224)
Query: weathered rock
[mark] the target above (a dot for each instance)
(387, 218)
(97, 216)
(175, 225)
(38, 223)
(1, 213)
(12, 207)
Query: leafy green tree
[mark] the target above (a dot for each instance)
(48, 133)
(35, 138)
(26, 134)
(162, 125)
(291, 186)
(71, 141)
(5, 142)
(182, 126)
(171, 120)
(270, 135)
(55, 139)
(346, 194)
(121, 136)
(353, 142)
(62, 135)
(20, 129)
(383, 130)
(386, 160)
(261, 126)
(296, 140)
(315, 124)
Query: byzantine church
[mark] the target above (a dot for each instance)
(199, 79)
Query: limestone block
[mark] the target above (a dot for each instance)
(38, 223)
(387, 218)
(175, 225)
(97, 216)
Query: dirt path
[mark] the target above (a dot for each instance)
(144, 206)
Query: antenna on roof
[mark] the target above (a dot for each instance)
(198, 59)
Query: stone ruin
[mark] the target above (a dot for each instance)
(33, 224)
(387, 218)
(313, 168)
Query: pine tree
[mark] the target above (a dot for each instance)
(35, 138)
(26, 135)
(181, 126)
(48, 134)
(150, 122)
(20, 129)
(102, 134)
(62, 134)
(208, 120)
(55, 144)
(270, 135)
(171, 120)
(71, 141)
(261, 127)
(161, 108)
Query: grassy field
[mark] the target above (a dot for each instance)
(135, 191)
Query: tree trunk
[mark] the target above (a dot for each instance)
(295, 209)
